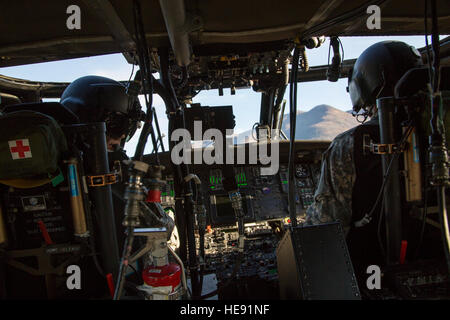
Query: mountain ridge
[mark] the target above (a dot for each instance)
(322, 122)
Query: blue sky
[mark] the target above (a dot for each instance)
(245, 103)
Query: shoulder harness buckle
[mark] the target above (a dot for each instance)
(102, 179)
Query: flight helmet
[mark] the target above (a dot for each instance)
(377, 71)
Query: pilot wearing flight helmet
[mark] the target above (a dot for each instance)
(346, 192)
(99, 99)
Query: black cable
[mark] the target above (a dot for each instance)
(92, 244)
(304, 62)
(131, 75)
(255, 127)
(147, 83)
(329, 54)
(435, 44)
(381, 192)
(424, 221)
(329, 50)
(342, 47)
(279, 106)
(128, 245)
(174, 123)
(134, 270)
(158, 130)
(380, 219)
(146, 130)
(386, 176)
(131, 102)
(201, 233)
(293, 119)
(427, 46)
(142, 48)
(434, 69)
(382, 210)
(176, 111)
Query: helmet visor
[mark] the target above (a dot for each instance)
(117, 125)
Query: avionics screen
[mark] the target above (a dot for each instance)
(224, 208)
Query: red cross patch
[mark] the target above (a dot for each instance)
(20, 149)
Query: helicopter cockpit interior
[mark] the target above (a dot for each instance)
(201, 216)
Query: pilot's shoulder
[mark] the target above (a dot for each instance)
(341, 148)
(346, 135)
(343, 140)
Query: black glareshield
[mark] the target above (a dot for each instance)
(217, 117)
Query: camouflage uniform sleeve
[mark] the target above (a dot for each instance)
(333, 196)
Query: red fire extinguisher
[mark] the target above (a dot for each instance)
(164, 281)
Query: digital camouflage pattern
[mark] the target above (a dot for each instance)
(333, 196)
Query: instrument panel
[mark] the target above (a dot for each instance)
(265, 197)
